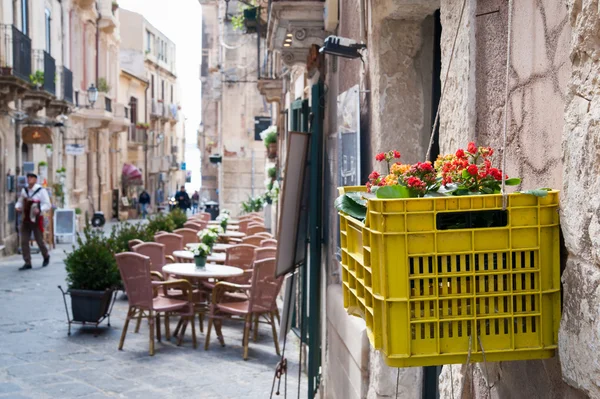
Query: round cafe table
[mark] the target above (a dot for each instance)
(217, 223)
(189, 256)
(209, 271)
(233, 234)
(216, 248)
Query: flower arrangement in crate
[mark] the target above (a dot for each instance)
(224, 219)
(201, 252)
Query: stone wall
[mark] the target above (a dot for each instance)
(580, 207)
(539, 87)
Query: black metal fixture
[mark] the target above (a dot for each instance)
(92, 93)
(342, 47)
(216, 158)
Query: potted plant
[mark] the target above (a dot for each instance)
(103, 85)
(272, 173)
(92, 276)
(115, 6)
(201, 252)
(269, 137)
(224, 219)
(208, 236)
(37, 79)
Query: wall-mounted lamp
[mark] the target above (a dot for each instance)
(92, 93)
(342, 47)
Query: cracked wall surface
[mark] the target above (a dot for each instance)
(579, 340)
(540, 84)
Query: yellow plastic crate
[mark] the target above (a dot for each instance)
(431, 296)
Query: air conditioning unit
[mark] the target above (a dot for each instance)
(330, 15)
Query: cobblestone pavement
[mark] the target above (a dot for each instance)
(39, 360)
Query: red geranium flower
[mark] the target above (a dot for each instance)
(473, 170)
(460, 153)
(380, 157)
(374, 175)
(396, 154)
(472, 148)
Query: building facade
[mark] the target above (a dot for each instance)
(452, 55)
(232, 62)
(52, 53)
(148, 55)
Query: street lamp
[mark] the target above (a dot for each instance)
(92, 93)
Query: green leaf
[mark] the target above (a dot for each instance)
(348, 206)
(460, 191)
(515, 181)
(487, 190)
(374, 189)
(357, 197)
(540, 192)
(390, 192)
(465, 174)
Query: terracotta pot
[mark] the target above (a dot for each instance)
(272, 150)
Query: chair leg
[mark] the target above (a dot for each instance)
(201, 321)
(207, 340)
(139, 321)
(277, 315)
(158, 335)
(247, 325)
(179, 323)
(218, 325)
(151, 321)
(256, 319)
(272, 322)
(167, 327)
(182, 333)
(192, 318)
(125, 327)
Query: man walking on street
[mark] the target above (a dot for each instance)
(183, 199)
(144, 201)
(32, 202)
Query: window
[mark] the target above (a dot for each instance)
(171, 94)
(133, 110)
(24, 17)
(152, 85)
(48, 30)
(162, 95)
(148, 41)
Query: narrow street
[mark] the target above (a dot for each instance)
(39, 360)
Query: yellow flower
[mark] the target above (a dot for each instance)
(399, 169)
(390, 180)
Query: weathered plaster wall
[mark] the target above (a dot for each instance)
(538, 89)
(580, 207)
(457, 112)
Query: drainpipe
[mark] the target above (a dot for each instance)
(146, 141)
(98, 132)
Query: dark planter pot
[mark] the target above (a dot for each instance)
(90, 306)
(250, 16)
(215, 158)
(272, 150)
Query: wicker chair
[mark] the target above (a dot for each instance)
(270, 242)
(262, 302)
(133, 243)
(264, 253)
(264, 234)
(243, 225)
(190, 236)
(136, 275)
(255, 228)
(253, 240)
(172, 242)
(196, 225)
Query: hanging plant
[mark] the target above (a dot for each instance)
(37, 78)
(103, 85)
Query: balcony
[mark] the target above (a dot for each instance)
(271, 89)
(121, 121)
(137, 135)
(15, 62)
(67, 85)
(294, 26)
(96, 117)
(157, 109)
(173, 113)
(108, 20)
